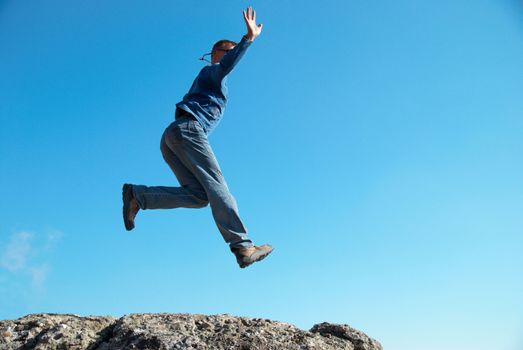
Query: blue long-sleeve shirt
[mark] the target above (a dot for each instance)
(207, 97)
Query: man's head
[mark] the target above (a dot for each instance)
(220, 48)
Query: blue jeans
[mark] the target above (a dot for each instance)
(186, 150)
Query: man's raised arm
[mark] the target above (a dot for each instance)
(229, 60)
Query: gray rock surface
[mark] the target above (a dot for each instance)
(174, 331)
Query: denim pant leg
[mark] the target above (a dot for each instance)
(190, 195)
(189, 143)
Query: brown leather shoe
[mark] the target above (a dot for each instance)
(248, 256)
(130, 206)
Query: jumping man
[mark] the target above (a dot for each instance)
(185, 148)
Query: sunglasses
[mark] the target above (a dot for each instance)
(210, 53)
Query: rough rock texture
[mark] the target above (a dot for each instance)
(50, 331)
(174, 331)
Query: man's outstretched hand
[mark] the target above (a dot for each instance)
(253, 30)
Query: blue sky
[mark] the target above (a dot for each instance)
(377, 145)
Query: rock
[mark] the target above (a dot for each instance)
(360, 340)
(6, 333)
(52, 331)
(174, 331)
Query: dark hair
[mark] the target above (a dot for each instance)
(221, 43)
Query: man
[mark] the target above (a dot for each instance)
(185, 148)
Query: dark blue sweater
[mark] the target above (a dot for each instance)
(207, 97)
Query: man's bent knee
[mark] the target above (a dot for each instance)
(203, 204)
(200, 197)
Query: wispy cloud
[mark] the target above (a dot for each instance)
(54, 235)
(25, 255)
(38, 275)
(14, 257)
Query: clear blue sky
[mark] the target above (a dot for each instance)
(376, 144)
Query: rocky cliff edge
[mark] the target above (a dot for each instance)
(174, 331)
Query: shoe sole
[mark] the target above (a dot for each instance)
(127, 195)
(255, 259)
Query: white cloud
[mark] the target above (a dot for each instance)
(14, 257)
(38, 275)
(54, 235)
(51, 238)
(26, 256)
